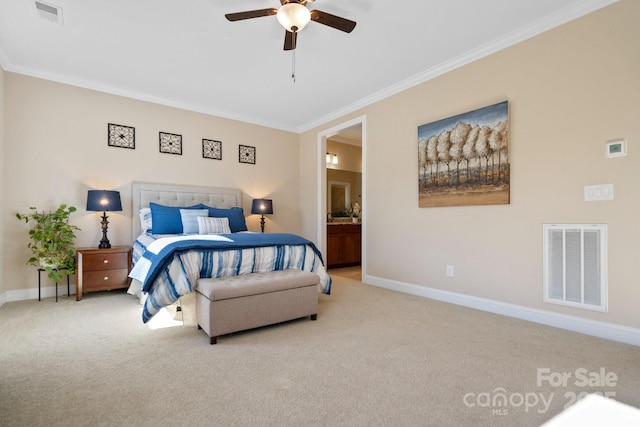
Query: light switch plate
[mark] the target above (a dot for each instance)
(598, 192)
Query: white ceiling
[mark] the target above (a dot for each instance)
(186, 54)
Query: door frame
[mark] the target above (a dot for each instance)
(323, 135)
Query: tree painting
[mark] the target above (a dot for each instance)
(464, 159)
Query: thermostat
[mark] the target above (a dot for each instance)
(617, 148)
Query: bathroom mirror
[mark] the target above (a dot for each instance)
(339, 198)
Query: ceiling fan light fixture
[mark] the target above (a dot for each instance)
(293, 16)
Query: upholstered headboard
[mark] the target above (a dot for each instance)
(180, 195)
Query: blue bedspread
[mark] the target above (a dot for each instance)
(170, 267)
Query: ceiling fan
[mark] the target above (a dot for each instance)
(293, 15)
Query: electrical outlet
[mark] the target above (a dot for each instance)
(449, 270)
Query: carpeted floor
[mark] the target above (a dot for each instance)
(354, 273)
(373, 358)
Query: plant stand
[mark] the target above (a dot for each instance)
(40, 270)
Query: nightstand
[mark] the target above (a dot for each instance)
(102, 269)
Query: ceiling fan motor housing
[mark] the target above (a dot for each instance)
(293, 16)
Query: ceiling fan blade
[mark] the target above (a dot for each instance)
(238, 16)
(290, 40)
(333, 21)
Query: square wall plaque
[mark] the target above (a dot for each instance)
(211, 149)
(247, 154)
(121, 136)
(170, 143)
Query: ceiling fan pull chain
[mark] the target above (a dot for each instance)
(293, 65)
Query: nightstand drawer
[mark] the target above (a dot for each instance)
(102, 269)
(105, 279)
(106, 261)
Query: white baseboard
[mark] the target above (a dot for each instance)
(32, 293)
(611, 331)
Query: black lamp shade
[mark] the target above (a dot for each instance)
(262, 206)
(103, 200)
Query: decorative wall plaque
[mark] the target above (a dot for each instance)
(211, 149)
(121, 136)
(247, 154)
(170, 143)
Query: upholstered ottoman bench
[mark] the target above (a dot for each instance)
(236, 303)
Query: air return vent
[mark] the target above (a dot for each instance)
(49, 12)
(575, 265)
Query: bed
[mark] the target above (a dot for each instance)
(183, 233)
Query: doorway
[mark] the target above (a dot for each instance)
(342, 168)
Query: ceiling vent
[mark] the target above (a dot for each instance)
(49, 12)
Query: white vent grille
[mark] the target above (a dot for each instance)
(49, 12)
(575, 265)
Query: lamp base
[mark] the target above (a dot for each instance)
(104, 243)
(262, 223)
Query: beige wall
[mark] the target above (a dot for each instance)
(570, 90)
(2, 184)
(56, 150)
(349, 156)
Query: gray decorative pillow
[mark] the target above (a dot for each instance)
(211, 225)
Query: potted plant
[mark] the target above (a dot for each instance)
(52, 240)
(354, 211)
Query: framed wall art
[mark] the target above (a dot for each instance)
(211, 149)
(121, 136)
(464, 159)
(170, 143)
(247, 154)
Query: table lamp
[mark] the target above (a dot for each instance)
(103, 200)
(262, 207)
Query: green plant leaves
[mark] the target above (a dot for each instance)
(52, 240)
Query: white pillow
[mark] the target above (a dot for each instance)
(145, 220)
(211, 225)
(190, 219)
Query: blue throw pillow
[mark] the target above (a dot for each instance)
(167, 219)
(235, 215)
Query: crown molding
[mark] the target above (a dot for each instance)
(538, 27)
(113, 90)
(344, 140)
(561, 17)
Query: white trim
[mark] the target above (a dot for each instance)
(169, 102)
(348, 141)
(563, 16)
(322, 185)
(610, 331)
(535, 28)
(32, 293)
